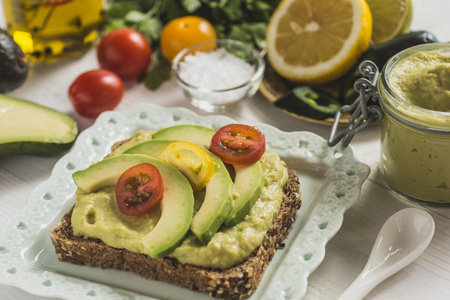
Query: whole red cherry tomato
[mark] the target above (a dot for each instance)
(238, 144)
(125, 52)
(95, 91)
(139, 189)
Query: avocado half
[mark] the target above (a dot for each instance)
(30, 128)
(13, 64)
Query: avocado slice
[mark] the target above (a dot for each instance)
(218, 196)
(216, 205)
(176, 206)
(151, 148)
(248, 186)
(30, 128)
(196, 134)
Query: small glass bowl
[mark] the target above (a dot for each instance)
(217, 74)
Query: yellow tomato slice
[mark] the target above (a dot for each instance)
(192, 160)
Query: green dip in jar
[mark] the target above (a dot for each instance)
(424, 80)
(414, 90)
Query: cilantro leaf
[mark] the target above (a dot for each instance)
(151, 28)
(158, 73)
(191, 5)
(134, 16)
(120, 9)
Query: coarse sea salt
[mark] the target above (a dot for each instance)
(215, 70)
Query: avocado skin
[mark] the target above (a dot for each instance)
(13, 64)
(33, 148)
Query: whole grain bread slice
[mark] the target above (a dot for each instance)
(237, 282)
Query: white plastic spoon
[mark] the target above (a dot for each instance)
(404, 236)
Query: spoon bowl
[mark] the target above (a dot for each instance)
(403, 238)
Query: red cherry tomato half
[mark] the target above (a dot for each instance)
(125, 52)
(139, 189)
(238, 144)
(95, 91)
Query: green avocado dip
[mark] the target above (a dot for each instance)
(228, 246)
(423, 79)
(415, 140)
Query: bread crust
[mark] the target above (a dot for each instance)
(237, 282)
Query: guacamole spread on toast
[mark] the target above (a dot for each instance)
(229, 246)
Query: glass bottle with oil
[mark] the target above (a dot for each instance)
(52, 29)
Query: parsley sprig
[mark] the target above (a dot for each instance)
(243, 20)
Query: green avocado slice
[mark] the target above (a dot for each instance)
(196, 134)
(30, 128)
(218, 198)
(248, 186)
(216, 205)
(151, 147)
(176, 206)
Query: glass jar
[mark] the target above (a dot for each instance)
(415, 141)
(51, 29)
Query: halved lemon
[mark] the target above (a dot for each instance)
(317, 41)
(390, 18)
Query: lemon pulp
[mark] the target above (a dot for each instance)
(316, 41)
(390, 18)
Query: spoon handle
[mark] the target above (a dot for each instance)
(359, 288)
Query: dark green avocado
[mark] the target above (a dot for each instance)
(13, 64)
(30, 128)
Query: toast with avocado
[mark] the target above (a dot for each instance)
(216, 228)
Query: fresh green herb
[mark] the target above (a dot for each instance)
(243, 20)
(159, 71)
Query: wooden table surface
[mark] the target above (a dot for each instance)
(346, 254)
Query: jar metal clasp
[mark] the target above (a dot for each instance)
(362, 112)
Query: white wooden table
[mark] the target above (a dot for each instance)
(346, 254)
